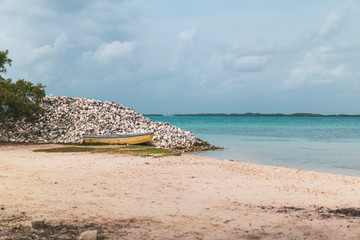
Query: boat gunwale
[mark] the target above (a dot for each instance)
(118, 135)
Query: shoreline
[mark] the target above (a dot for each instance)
(173, 197)
(321, 171)
(324, 145)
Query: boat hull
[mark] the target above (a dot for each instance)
(119, 139)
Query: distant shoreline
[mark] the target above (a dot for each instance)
(250, 115)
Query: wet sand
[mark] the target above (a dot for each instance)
(182, 197)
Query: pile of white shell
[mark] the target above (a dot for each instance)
(67, 119)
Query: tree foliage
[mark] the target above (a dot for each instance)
(4, 60)
(20, 99)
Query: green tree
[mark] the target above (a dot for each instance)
(20, 99)
(4, 60)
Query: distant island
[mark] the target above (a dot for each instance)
(252, 115)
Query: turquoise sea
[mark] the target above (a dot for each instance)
(330, 144)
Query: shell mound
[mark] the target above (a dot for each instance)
(67, 119)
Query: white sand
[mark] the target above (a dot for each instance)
(185, 197)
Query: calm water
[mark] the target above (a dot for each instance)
(329, 145)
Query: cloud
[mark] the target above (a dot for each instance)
(322, 62)
(313, 71)
(109, 21)
(184, 48)
(232, 83)
(116, 45)
(109, 52)
(67, 5)
(36, 54)
(246, 63)
(331, 24)
(338, 71)
(254, 47)
(251, 56)
(187, 35)
(40, 52)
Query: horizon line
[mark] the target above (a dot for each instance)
(249, 114)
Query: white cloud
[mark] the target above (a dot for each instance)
(232, 83)
(338, 71)
(251, 56)
(323, 62)
(108, 52)
(331, 24)
(184, 48)
(313, 71)
(254, 47)
(132, 41)
(40, 52)
(59, 44)
(187, 35)
(246, 63)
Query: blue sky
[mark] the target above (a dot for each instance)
(165, 56)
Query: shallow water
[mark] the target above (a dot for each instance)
(329, 145)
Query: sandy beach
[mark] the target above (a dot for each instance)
(178, 197)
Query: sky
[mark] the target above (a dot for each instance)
(186, 56)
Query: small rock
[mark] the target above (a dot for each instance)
(89, 235)
(38, 223)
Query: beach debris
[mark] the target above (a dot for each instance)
(286, 209)
(89, 235)
(38, 223)
(349, 212)
(67, 119)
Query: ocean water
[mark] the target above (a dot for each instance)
(330, 145)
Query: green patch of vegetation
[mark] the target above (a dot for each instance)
(134, 150)
(255, 236)
(66, 149)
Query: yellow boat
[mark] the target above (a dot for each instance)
(119, 138)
